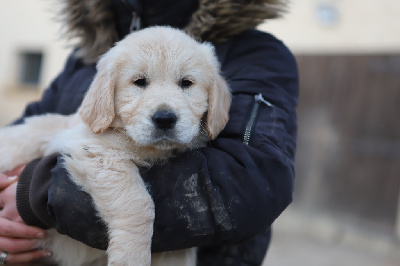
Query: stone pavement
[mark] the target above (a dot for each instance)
(298, 242)
(295, 250)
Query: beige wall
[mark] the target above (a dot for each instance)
(362, 26)
(26, 25)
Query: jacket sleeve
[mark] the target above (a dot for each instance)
(46, 105)
(226, 192)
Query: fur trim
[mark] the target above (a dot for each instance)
(92, 23)
(217, 20)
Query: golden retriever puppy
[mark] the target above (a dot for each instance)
(156, 93)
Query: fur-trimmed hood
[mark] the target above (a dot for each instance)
(92, 22)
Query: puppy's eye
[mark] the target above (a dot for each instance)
(185, 83)
(141, 82)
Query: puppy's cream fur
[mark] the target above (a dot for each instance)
(113, 133)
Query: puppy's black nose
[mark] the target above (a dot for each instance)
(164, 119)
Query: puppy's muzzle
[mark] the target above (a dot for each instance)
(164, 119)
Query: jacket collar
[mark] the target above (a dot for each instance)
(98, 24)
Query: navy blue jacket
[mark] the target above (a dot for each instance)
(222, 198)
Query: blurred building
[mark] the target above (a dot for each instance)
(31, 52)
(340, 26)
(348, 159)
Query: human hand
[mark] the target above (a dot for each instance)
(16, 238)
(8, 188)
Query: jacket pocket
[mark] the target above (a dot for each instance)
(252, 120)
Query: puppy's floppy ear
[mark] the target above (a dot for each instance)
(97, 109)
(219, 101)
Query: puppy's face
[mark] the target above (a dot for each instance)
(163, 86)
(162, 96)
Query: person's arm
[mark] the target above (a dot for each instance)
(231, 191)
(224, 193)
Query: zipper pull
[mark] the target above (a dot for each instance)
(136, 9)
(136, 22)
(259, 98)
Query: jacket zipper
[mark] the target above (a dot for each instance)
(136, 23)
(136, 10)
(258, 100)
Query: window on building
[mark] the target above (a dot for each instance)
(30, 68)
(327, 14)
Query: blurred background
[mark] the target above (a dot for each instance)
(346, 209)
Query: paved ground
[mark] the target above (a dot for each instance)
(295, 250)
(300, 241)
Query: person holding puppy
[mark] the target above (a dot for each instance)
(222, 198)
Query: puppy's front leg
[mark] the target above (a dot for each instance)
(22, 143)
(127, 208)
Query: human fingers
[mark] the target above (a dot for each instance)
(16, 171)
(11, 176)
(26, 257)
(14, 229)
(9, 204)
(10, 214)
(6, 180)
(16, 245)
